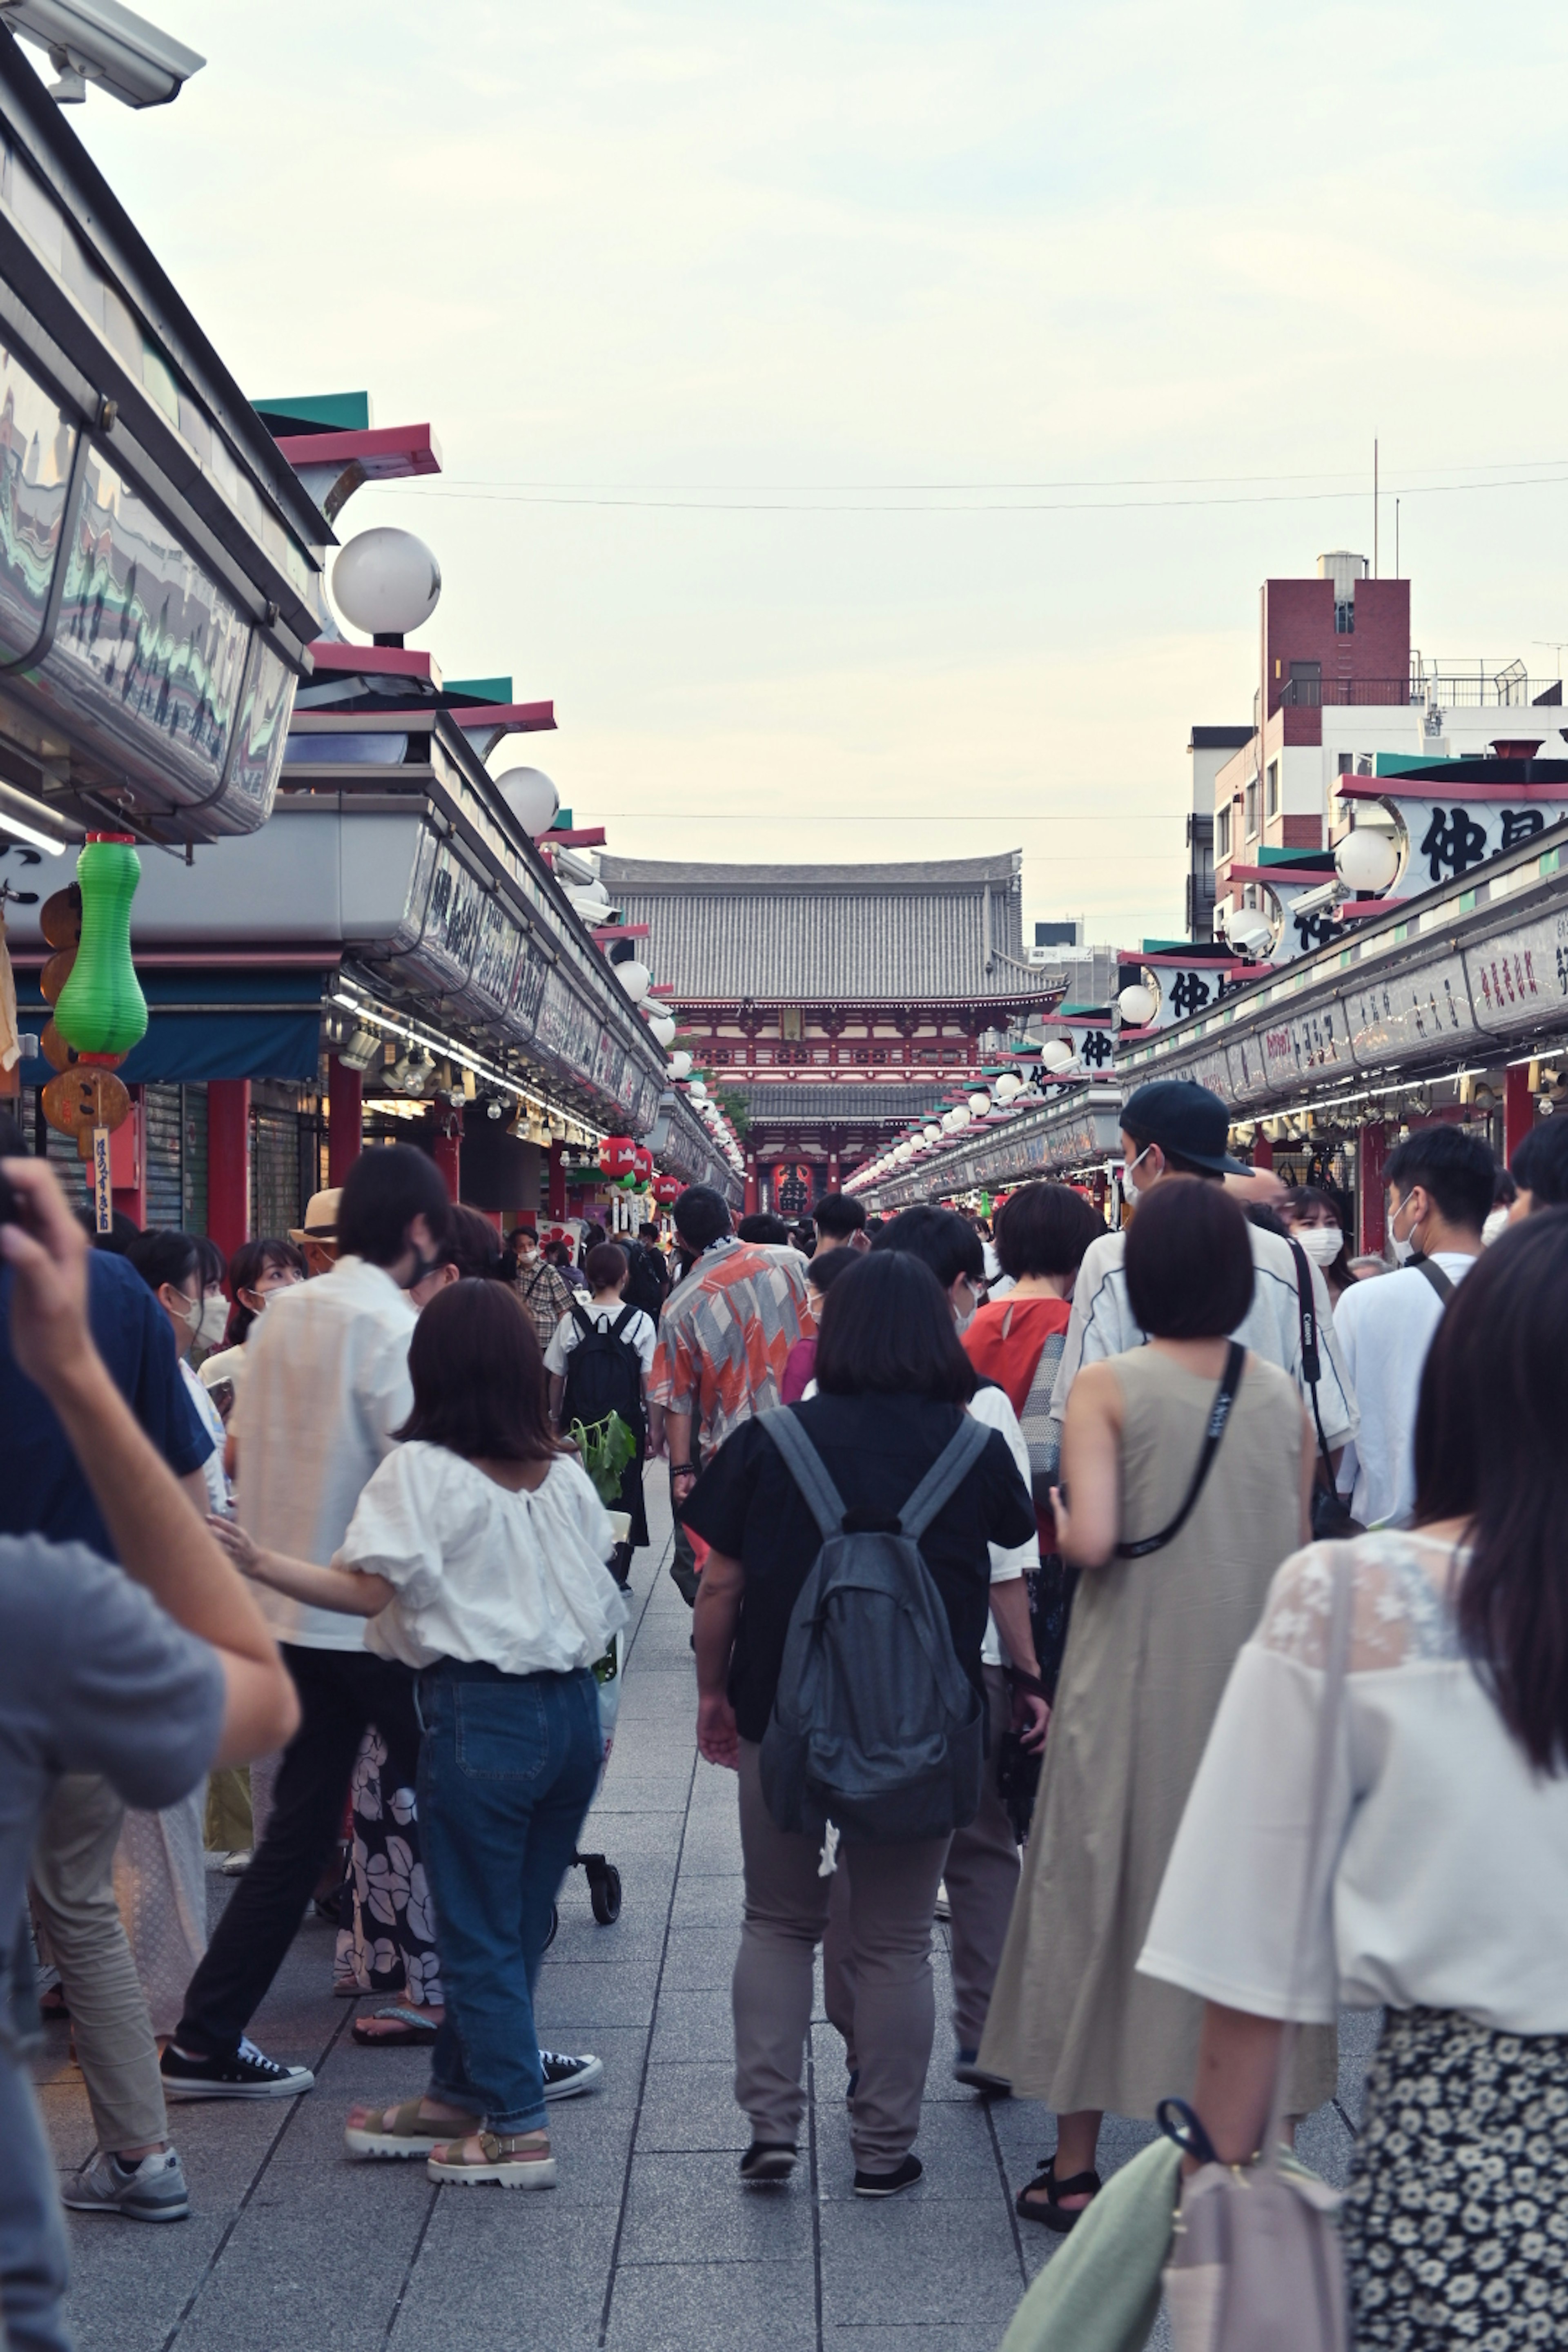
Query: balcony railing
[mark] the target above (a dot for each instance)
(1454, 691)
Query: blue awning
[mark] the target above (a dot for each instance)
(209, 1024)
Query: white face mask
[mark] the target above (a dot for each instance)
(1403, 1246)
(1494, 1224)
(1132, 1190)
(1322, 1243)
(214, 1321)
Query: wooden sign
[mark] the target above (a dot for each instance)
(78, 1100)
(102, 1182)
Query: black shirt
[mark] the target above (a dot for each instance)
(876, 1450)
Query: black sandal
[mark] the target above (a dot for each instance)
(1052, 2213)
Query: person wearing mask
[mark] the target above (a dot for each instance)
(44, 1492)
(140, 1675)
(1312, 1219)
(256, 1270)
(326, 1391)
(840, 1223)
(1171, 1127)
(477, 1551)
(1540, 1169)
(1438, 1892)
(892, 1382)
(800, 1364)
(540, 1284)
(618, 1383)
(1439, 1190)
(1176, 1539)
(723, 1342)
(981, 1873)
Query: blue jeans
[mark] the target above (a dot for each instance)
(507, 1771)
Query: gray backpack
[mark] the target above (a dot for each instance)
(875, 1726)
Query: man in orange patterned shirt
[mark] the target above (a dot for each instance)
(723, 1338)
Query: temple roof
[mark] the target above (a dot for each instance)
(855, 1101)
(944, 932)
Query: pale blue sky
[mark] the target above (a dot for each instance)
(814, 254)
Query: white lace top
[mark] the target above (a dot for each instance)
(1444, 1878)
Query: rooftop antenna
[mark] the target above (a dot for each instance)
(1554, 645)
(1374, 510)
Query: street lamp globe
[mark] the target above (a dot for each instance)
(532, 798)
(1367, 859)
(635, 978)
(386, 582)
(1138, 1005)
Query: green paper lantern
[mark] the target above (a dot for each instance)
(101, 1010)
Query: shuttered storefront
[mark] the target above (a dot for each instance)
(176, 1150)
(287, 1152)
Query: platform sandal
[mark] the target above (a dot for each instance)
(394, 2132)
(1044, 2185)
(513, 2160)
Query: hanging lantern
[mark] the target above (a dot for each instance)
(618, 1155)
(101, 1010)
(667, 1190)
(642, 1163)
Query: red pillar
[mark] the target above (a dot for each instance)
(1262, 1151)
(345, 1119)
(750, 1203)
(1372, 1150)
(228, 1163)
(557, 1195)
(1518, 1109)
(128, 1161)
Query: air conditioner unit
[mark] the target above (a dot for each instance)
(1039, 957)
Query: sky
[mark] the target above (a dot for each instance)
(872, 423)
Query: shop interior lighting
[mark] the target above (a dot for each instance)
(433, 1042)
(30, 835)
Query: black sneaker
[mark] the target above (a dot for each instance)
(888, 2184)
(767, 2164)
(246, 2075)
(566, 2076)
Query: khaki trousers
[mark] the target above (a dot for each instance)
(81, 1931)
(892, 1889)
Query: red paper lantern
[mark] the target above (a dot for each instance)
(667, 1190)
(617, 1155)
(642, 1163)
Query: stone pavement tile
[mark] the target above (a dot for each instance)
(732, 2307)
(691, 2106)
(697, 1959)
(1359, 2032)
(703, 1902)
(692, 2208)
(517, 2270)
(959, 2335)
(619, 1834)
(953, 2143)
(699, 2025)
(637, 1935)
(1323, 2142)
(68, 2118)
(585, 1998)
(129, 2282)
(918, 2258)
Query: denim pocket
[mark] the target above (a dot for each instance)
(502, 1730)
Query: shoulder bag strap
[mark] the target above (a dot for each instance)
(582, 1319)
(948, 1472)
(1312, 1361)
(1336, 1665)
(1219, 1416)
(1435, 1275)
(806, 1467)
(622, 1319)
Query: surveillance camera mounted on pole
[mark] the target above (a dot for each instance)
(98, 40)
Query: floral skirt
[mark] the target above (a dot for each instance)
(1456, 2220)
(387, 1941)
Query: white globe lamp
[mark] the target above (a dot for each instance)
(1138, 1005)
(532, 798)
(979, 1102)
(662, 1028)
(959, 1115)
(698, 1089)
(1009, 1086)
(680, 1063)
(635, 978)
(932, 1131)
(1059, 1054)
(386, 582)
(1367, 859)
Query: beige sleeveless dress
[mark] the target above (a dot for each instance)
(1150, 1647)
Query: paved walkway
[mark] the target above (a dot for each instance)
(648, 2241)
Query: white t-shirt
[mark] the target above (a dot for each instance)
(326, 1385)
(517, 1581)
(1103, 1324)
(1443, 1882)
(993, 1406)
(1385, 1327)
(211, 1420)
(640, 1334)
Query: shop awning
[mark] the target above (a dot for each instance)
(210, 1024)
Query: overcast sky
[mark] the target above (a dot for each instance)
(710, 305)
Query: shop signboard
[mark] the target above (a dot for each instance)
(1410, 1012)
(1450, 838)
(1518, 975)
(496, 953)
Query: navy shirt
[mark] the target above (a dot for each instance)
(42, 1490)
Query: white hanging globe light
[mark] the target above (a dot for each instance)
(532, 798)
(979, 1102)
(1367, 859)
(698, 1089)
(959, 1114)
(1059, 1054)
(386, 582)
(1009, 1085)
(932, 1131)
(680, 1063)
(662, 1027)
(1138, 1004)
(635, 978)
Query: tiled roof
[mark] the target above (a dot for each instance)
(812, 934)
(856, 1102)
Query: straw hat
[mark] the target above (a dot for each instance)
(320, 1219)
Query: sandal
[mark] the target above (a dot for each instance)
(517, 2161)
(417, 2030)
(399, 2131)
(1053, 2212)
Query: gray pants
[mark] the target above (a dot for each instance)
(81, 1931)
(33, 2270)
(982, 1874)
(892, 1889)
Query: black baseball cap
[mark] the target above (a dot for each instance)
(1182, 1118)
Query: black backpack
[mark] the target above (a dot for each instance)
(646, 1281)
(603, 1374)
(875, 1726)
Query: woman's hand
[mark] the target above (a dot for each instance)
(243, 1549)
(718, 1739)
(1031, 1719)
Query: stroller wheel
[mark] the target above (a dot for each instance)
(555, 1925)
(605, 1894)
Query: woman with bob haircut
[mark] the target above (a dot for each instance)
(1164, 1602)
(478, 1552)
(1446, 1904)
(892, 1384)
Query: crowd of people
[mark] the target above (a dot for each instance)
(1033, 1572)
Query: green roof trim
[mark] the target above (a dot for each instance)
(1102, 1011)
(1310, 858)
(1395, 763)
(1165, 947)
(483, 690)
(325, 412)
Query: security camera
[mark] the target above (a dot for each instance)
(98, 40)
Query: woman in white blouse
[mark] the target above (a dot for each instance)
(478, 1552)
(1442, 1886)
